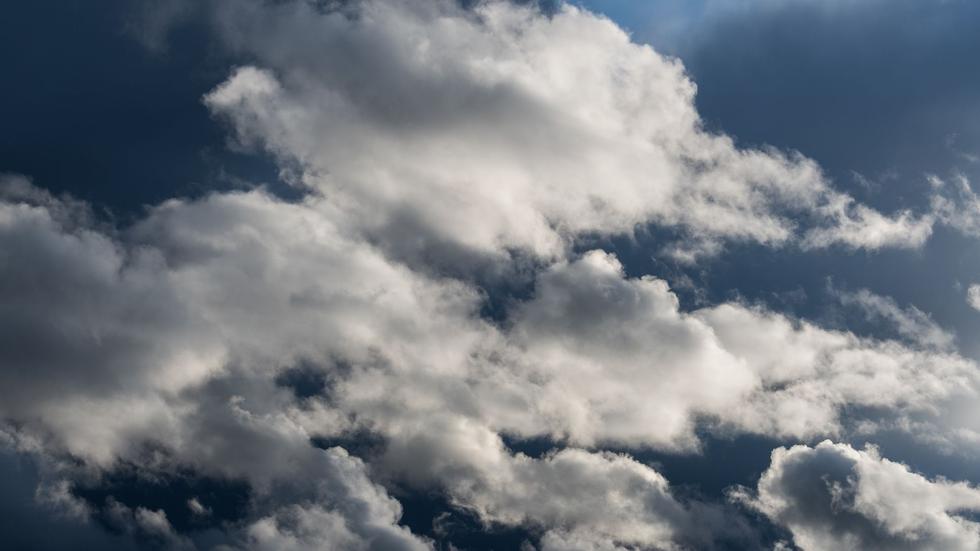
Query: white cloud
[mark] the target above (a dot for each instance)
(859, 227)
(445, 132)
(208, 301)
(833, 497)
(809, 374)
(197, 507)
(577, 498)
(362, 516)
(152, 525)
(973, 296)
(619, 361)
(909, 322)
(616, 360)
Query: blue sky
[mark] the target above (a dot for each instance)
(880, 96)
(419, 275)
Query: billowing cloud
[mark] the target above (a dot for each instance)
(835, 497)
(973, 296)
(909, 322)
(226, 335)
(616, 360)
(209, 302)
(444, 131)
(575, 498)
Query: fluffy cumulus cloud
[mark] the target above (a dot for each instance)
(527, 134)
(910, 322)
(225, 417)
(331, 352)
(363, 517)
(576, 498)
(833, 496)
(210, 305)
(956, 203)
(112, 345)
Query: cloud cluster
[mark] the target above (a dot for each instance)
(226, 335)
(177, 333)
(832, 496)
(909, 322)
(620, 362)
(526, 134)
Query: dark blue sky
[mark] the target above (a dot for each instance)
(88, 110)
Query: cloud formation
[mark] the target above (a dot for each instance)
(832, 496)
(331, 351)
(496, 129)
(209, 302)
(909, 322)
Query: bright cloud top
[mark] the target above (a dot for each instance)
(502, 129)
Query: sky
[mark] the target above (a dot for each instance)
(429, 274)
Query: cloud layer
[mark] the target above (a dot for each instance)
(331, 352)
(184, 325)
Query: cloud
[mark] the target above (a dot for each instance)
(299, 528)
(747, 88)
(835, 497)
(436, 142)
(74, 330)
(445, 131)
(956, 204)
(857, 226)
(909, 322)
(115, 342)
(973, 296)
(363, 516)
(576, 499)
(173, 335)
(153, 526)
(618, 360)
